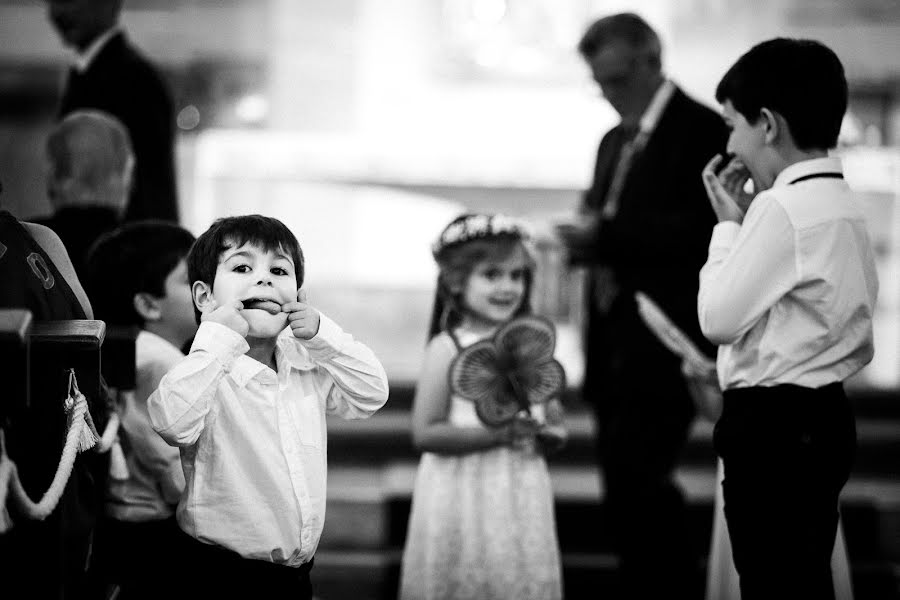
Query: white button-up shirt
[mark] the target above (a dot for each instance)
(789, 294)
(253, 441)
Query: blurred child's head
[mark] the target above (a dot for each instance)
(485, 271)
(137, 276)
(782, 94)
(251, 258)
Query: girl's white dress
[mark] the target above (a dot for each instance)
(482, 524)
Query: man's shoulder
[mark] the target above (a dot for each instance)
(121, 59)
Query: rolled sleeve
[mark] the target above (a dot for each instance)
(350, 377)
(180, 404)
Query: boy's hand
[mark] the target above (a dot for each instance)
(726, 190)
(228, 315)
(303, 318)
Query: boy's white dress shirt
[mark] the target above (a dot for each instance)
(789, 293)
(155, 479)
(253, 441)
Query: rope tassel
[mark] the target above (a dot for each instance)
(80, 436)
(109, 441)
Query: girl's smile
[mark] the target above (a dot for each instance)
(495, 289)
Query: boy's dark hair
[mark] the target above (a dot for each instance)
(134, 258)
(266, 232)
(802, 80)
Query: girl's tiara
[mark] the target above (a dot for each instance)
(478, 226)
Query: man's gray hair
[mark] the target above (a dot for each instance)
(90, 161)
(622, 27)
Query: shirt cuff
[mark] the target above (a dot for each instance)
(724, 234)
(222, 342)
(327, 340)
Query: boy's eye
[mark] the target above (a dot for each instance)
(492, 273)
(241, 268)
(518, 275)
(279, 271)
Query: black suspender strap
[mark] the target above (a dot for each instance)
(818, 176)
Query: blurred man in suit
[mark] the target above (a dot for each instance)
(644, 226)
(109, 74)
(89, 174)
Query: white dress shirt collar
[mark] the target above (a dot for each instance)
(828, 165)
(288, 355)
(656, 107)
(84, 59)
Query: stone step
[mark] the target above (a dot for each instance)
(368, 508)
(375, 574)
(386, 437)
(868, 402)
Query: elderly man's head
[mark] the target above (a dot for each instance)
(79, 22)
(625, 58)
(90, 161)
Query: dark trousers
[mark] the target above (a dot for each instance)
(644, 505)
(787, 453)
(132, 556)
(213, 572)
(644, 414)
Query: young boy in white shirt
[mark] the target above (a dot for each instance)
(788, 292)
(136, 276)
(247, 408)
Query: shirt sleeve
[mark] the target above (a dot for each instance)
(349, 376)
(749, 268)
(179, 406)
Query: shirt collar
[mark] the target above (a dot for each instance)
(656, 107)
(288, 355)
(813, 166)
(84, 59)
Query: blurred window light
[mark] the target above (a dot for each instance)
(488, 12)
(251, 109)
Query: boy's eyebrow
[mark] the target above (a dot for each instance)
(241, 253)
(279, 254)
(282, 254)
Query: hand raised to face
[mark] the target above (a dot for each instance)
(228, 314)
(303, 318)
(726, 189)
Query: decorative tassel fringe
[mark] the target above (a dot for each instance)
(89, 437)
(6, 469)
(6, 521)
(118, 466)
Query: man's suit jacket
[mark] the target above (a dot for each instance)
(122, 82)
(657, 241)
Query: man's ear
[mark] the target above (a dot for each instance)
(202, 294)
(147, 306)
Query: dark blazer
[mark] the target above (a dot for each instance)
(658, 240)
(79, 227)
(122, 82)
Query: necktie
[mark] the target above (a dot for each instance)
(635, 140)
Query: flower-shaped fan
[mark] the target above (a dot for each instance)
(510, 372)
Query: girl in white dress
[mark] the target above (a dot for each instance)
(482, 522)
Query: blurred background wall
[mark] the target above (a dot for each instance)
(367, 124)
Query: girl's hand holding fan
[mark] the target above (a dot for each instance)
(508, 374)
